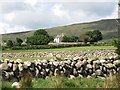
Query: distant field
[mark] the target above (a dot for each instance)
(61, 49)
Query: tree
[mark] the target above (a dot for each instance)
(116, 43)
(51, 38)
(97, 35)
(9, 44)
(40, 37)
(94, 36)
(70, 39)
(84, 38)
(38, 40)
(19, 41)
(41, 32)
(74, 39)
(65, 39)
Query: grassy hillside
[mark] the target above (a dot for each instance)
(107, 27)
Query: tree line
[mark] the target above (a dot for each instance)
(41, 37)
(89, 36)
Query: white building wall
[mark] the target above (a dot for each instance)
(57, 40)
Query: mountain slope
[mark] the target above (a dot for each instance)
(108, 28)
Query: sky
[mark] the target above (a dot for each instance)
(25, 15)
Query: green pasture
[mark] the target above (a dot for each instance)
(63, 82)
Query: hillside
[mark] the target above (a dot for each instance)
(108, 28)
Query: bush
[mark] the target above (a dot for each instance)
(103, 43)
(46, 46)
(70, 39)
(26, 80)
(9, 44)
(19, 41)
(116, 43)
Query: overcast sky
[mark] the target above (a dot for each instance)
(24, 15)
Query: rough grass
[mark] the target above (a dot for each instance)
(112, 81)
(64, 82)
(6, 84)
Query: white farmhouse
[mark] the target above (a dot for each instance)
(58, 38)
(24, 42)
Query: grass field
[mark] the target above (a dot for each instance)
(63, 82)
(61, 49)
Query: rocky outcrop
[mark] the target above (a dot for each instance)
(75, 67)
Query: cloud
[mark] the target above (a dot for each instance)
(34, 14)
(31, 2)
(61, 0)
(59, 11)
(6, 28)
(2, 27)
(114, 14)
(8, 7)
(9, 17)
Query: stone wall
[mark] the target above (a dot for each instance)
(75, 67)
(87, 53)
